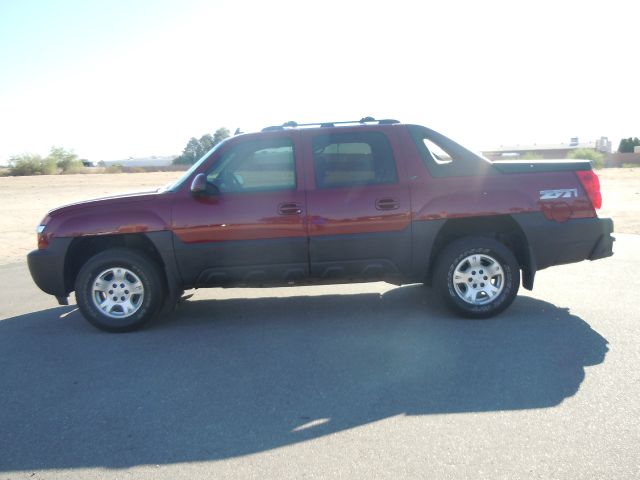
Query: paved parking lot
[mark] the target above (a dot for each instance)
(364, 381)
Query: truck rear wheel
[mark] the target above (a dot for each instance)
(477, 277)
(119, 290)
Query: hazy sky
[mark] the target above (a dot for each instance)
(139, 77)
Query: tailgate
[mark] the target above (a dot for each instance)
(536, 166)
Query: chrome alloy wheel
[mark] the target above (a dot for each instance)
(478, 279)
(117, 292)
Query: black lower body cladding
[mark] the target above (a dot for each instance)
(52, 273)
(604, 246)
(47, 267)
(556, 243)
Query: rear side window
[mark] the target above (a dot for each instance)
(438, 154)
(350, 159)
(445, 158)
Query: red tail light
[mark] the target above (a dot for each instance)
(43, 237)
(591, 184)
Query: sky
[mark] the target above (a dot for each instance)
(136, 78)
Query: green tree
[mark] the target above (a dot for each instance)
(220, 134)
(189, 154)
(195, 148)
(65, 160)
(627, 144)
(206, 143)
(595, 157)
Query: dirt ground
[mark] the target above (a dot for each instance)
(24, 201)
(621, 198)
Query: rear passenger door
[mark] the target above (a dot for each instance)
(358, 208)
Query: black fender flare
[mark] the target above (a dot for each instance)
(164, 245)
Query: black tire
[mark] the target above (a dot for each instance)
(481, 280)
(131, 306)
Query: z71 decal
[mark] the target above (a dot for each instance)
(560, 193)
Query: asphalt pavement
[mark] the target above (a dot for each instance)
(358, 381)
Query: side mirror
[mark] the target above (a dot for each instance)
(200, 186)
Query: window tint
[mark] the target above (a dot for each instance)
(438, 154)
(345, 159)
(444, 158)
(255, 166)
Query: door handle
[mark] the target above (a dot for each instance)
(290, 209)
(387, 204)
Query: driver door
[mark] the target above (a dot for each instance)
(253, 229)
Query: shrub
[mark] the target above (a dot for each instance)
(31, 164)
(48, 166)
(73, 167)
(532, 156)
(595, 157)
(58, 160)
(116, 168)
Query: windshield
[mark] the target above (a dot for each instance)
(178, 183)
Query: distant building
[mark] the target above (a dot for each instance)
(561, 150)
(153, 161)
(604, 145)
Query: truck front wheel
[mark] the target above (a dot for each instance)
(119, 290)
(477, 277)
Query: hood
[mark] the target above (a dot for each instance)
(107, 201)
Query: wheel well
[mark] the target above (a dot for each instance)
(502, 228)
(83, 248)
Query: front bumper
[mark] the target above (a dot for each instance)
(47, 267)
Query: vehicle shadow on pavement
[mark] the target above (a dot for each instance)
(223, 378)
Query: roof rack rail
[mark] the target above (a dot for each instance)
(362, 121)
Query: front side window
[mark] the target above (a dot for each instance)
(259, 165)
(350, 159)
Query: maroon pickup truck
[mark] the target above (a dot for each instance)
(326, 204)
